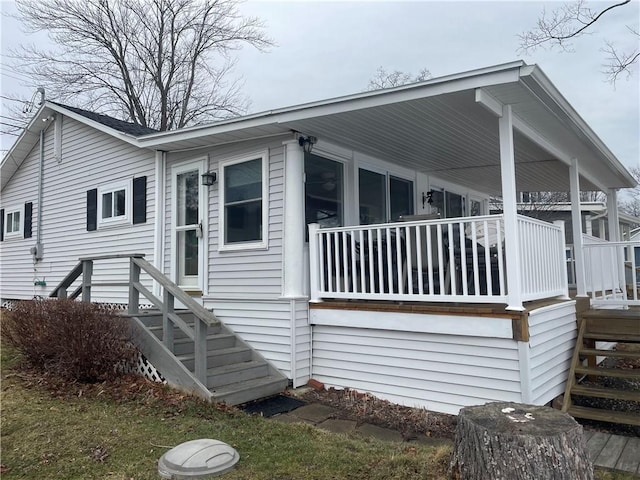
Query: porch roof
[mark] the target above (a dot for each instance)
(446, 127)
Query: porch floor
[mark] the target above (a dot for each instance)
(614, 452)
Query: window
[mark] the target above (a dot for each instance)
(114, 204)
(13, 222)
(324, 191)
(383, 197)
(243, 188)
(447, 204)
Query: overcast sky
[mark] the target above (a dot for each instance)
(329, 49)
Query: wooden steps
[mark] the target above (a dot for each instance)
(619, 326)
(630, 418)
(235, 373)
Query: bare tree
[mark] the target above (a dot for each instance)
(162, 64)
(383, 79)
(631, 205)
(572, 20)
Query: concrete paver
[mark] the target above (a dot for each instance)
(314, 412)
(338, 426)
(385, 434)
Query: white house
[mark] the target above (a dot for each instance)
(403, 285)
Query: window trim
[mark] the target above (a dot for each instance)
(9, 211)
(262, 244)
(127, 186)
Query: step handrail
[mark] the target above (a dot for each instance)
(198, 310)
(61, 289)
(171, 291)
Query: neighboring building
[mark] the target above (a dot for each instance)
(594, 218)
(439, 313)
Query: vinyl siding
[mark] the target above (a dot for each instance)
(252, 273)
(553, 334)
(265, 325)
(302, 344)
(90, 158)
(434, 371)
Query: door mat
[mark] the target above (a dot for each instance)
(270, 407)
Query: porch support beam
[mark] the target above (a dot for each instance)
(293, 234)
(159, 219)
(612, 215)
(510, 202)
(495, 106)
(576, 225)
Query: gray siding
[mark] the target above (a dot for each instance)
(553, 334)
(90, 158)
(438, 372)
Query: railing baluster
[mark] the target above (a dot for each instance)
(134, 295)
(87, 272)
(200, 348)
(372, 276)
(419, 260)
(167, 324)
(362, 264)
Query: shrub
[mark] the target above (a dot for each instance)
(76, 340)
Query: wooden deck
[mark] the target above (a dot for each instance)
(614, 452)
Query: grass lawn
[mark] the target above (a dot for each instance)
(52, 435)
(90, 433)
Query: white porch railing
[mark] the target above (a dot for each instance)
(449, 260)
(612, 274)
(542, 259)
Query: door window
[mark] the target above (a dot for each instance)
(188, 228)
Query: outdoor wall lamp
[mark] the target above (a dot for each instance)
(427, 198)
(209, 178)
(307, 142)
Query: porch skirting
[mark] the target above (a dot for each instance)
(444, 361)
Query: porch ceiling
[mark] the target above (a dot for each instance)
(449, 136)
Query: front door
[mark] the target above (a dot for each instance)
(188, 225)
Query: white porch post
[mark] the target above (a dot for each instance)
(576, 225)
(293, 241)
(158, 232)
(612, 215)
(614, 236)
(509, 201)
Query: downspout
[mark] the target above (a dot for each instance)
(37, 250)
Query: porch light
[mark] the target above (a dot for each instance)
(307, 143)
(209, 178)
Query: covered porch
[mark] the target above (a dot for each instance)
(496, 133)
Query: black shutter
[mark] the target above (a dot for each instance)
(92, 209)
(28, 222)
(140, 200)
(1, 225)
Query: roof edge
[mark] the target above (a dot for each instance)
(535, 74)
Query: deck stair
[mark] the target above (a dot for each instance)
(619, 326)
(191, 348)
(235, 373)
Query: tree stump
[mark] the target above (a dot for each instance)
(512, 441)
